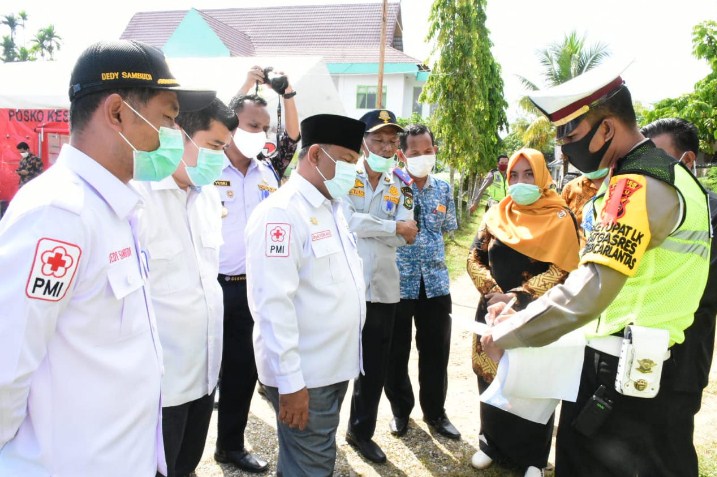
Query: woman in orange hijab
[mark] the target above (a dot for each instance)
(526, 244)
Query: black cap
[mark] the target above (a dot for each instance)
(130, 64)
(332, 129)
(379, 118)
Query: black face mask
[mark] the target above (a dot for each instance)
(579, 154)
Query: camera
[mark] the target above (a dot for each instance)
(278, 83)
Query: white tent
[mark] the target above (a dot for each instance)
(45, 84)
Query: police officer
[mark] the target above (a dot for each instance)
(649, 244)
(306, 293)
(80, 358)
(494, 185)
(244, 183)
(380, 213)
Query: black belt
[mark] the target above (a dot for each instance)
(232, 278)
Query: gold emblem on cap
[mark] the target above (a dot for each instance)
(384, 116)
(314, 220)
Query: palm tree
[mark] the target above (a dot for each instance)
(46, 41)
(12, 22)
(562, 60)
(22, 16)
(8, 49)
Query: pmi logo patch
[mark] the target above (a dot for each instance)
(53, 269)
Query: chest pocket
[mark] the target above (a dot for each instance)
(166, 265)
(226, 194)
(330, 261)
(126, 282)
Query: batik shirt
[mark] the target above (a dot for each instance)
(435, 213)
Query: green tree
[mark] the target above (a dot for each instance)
(561, 61)
(46, 41)
(700, 106)
(467, 88)
(11, 21)
(9, 52)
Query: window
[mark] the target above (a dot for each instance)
(417, 107)
(366, 97)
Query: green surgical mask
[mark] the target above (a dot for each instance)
(524, 194)
(163, 161)
(343, 180)
(379, 163)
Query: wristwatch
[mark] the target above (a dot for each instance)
(289, 95)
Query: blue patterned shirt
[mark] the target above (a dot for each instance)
(435, 213)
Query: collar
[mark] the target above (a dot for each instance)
(121, 197)
(308, 190)
(168, 183)
(253, 164)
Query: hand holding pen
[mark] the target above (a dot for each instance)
(500, 311)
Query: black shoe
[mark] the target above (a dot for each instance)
(367, 448)
(242, 459)
(398, 426)
(443, 426)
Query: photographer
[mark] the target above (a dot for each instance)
(245, 182)
(290, 136)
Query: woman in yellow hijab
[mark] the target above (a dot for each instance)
(525, 245)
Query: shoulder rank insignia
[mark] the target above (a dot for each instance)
(403, 176)
(407, 197)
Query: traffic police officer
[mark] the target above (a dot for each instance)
(80, 358)
(380, 213)
(650, 243)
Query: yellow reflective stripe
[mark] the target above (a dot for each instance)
(699, 235)
(682, 247)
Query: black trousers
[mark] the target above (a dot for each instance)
(433, 341)
(376, 340)
(238, 375)
(641, 437)
(184, 431)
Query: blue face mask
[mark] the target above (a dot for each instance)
(379, 163)
(599, 174)
(163, 161)
(524, 194)
(343, 180)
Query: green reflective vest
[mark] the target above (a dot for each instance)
(498, 188)
(670, 279)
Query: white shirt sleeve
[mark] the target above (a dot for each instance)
(28, 323)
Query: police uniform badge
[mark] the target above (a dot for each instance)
(407, 197)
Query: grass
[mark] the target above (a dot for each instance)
(457, 247)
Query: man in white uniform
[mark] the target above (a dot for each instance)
(80, 358)
(181, 226)
(306, 293)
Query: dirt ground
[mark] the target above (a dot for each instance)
(421, 453)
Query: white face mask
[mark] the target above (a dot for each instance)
(249, 144)
(421, 166)
(24, 154)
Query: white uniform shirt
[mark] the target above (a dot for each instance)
(182, 232)
(372, 216)
(80, 359)
(306, 289)
(240, 195)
